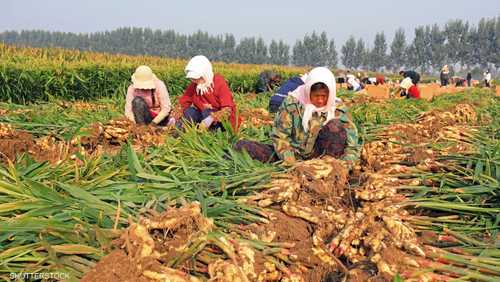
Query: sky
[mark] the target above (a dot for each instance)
(287, 20)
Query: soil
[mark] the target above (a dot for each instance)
(363, 99)
(115, 267)
(358, 275)
(288, 229)
(17, 145)
(17, 142)
(256, 117)
(324, 274)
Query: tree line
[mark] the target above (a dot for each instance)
(456, 43)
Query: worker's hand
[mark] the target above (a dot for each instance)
(207, 107)
(289, 161)
(222, 115)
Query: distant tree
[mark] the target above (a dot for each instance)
(360, 54)
(260, 56)
(298, 56)
(313, 50)
(283, 53)
(437, 47)
(487, 43)
(397, 59)
(273, 53)
(348, 52)
(378, 55)
(323, 51)
(496, 54)
(245, 50)
(455, 33)
(228, 54)
(333, 59)
(418, 51)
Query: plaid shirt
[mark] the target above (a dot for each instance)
(291, 141)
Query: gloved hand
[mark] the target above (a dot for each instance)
(289, 161)
(207, 121)
(207, 107)
(171, 121)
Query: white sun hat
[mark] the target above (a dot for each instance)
(144, 78)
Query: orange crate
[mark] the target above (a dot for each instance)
(378, 92)
(427, 92)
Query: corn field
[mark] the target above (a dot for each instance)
(31, 74)
(88, 196)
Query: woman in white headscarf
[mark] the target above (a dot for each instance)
(207, 100)
(445, 75)
(311, 122)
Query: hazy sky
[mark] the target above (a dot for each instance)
(287, 20)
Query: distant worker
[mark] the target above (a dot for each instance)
(413, 75)
(268, 80)
(469, 79)
(147, 99)
(368, 80)
(459, 81)
(409, 89)
(380, 79)
(487, 78)
(341, 80)
(349, 75)
(353, 83)
(445, 75)
(280, 95)
(207, 101)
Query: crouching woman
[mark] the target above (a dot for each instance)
(147, 99)
(310, 123)
(207, 100)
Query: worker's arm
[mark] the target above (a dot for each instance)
(225, 99)
(353, 148)
(282, 135)
(128, 104)
(165, 105)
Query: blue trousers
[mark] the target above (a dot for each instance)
(142, 115)
(195, 116)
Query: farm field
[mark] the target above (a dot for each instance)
(87, 195)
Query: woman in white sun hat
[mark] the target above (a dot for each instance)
(147, 99)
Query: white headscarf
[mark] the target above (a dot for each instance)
(303, 92)
(201, 65)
